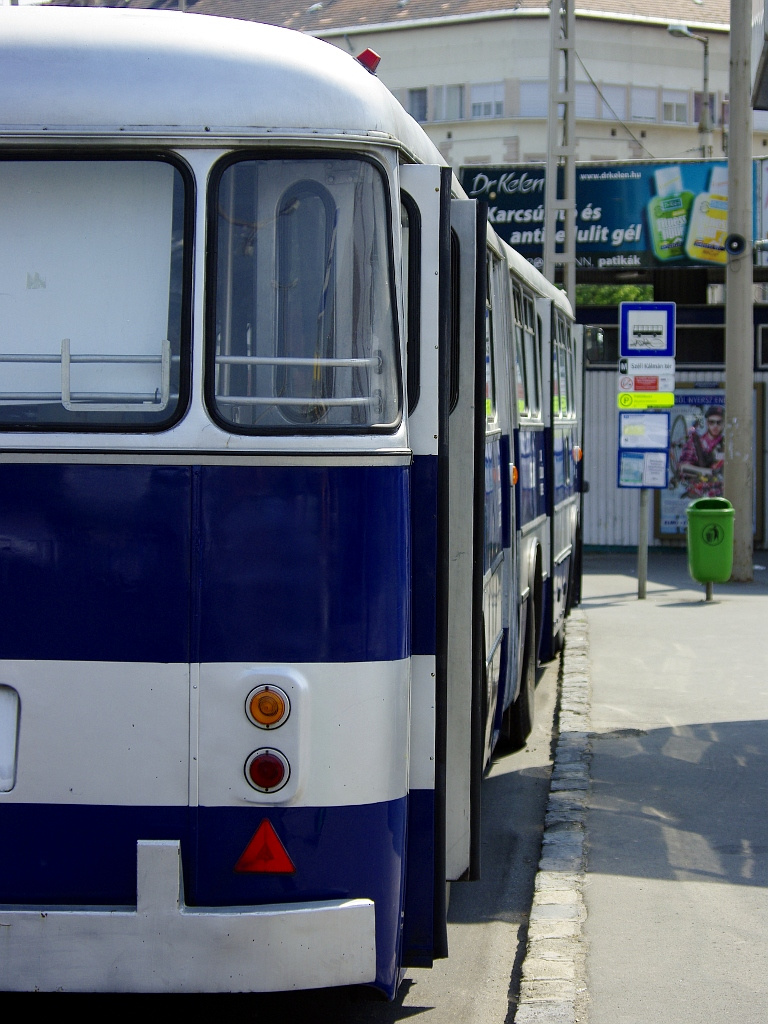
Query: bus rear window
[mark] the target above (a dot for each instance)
(302, 334)
(91, 275)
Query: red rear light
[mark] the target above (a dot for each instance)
(267, 770)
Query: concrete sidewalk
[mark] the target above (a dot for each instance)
(652, 895)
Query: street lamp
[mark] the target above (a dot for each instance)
(705, 124)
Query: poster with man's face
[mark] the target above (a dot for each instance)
(696, 455)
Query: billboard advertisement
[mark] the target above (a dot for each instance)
(696, 454)
(628, 215)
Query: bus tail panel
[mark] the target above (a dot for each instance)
(162, 945)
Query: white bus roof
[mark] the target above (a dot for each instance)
(535, 279)
(100, 70)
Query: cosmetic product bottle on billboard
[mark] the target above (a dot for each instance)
(708, 224)
(668, 214)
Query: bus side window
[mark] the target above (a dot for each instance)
(454, 333)
(566, 398)
(493, 322)
(539, 333)
(531, 358)
(521, 381)
(410, 257)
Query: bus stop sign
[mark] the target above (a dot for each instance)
(647, 329)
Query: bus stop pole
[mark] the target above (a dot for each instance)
(739, 350)
(642, 545)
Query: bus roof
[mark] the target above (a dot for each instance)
(535, 279)
(100, 70)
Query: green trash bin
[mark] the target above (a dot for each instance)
(710, 540)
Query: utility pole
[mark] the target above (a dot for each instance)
(560, 210)
(739, 355)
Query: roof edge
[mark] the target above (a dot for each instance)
(503, 15)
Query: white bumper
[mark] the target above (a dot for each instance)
(165, 946)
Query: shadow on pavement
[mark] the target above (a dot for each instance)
(687, 803)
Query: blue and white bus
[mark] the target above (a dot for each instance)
(270, 590)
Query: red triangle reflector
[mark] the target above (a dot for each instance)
(265, 853)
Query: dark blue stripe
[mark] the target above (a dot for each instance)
(531, 490)
(505, 458)
(493, 513)
(304, 564)
(418, 918)
(94, 562)
(175, 564)
(56, 855)
(424, 531)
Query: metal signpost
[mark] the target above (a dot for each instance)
(646, 388)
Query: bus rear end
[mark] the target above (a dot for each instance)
(206, 539)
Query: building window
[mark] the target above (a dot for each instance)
(449, 102)
(697, 108)
(643, 103)
(533, 98)
(674, 106)
(417, 104)
(487, 99)
(760, 120)
(614, 102)
(585, 100)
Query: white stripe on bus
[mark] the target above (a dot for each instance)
(160, 735)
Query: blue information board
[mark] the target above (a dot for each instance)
(643, 456)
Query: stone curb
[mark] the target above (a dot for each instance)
(552, 986)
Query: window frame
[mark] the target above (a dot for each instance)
(496, 102)
(640, 93)
(440, 97)
(186, 225)
(411, 275)
(612, 101)
(411, 98)
(536, 104)
(680, 100)
(294, 429)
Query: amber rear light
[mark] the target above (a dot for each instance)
(267, 706)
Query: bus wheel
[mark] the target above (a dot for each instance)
(559, 638)
(520, 714)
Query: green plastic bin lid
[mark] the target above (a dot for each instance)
(710, 505)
